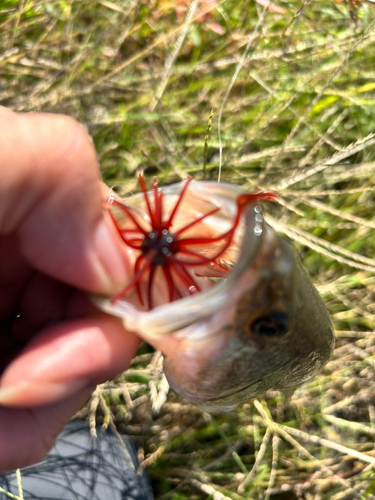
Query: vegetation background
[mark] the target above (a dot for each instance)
(293, 88)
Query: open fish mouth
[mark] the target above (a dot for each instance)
(222, 257)
(262, 326)
(220, 201)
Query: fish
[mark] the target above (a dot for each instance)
(220, 293)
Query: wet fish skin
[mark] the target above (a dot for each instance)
(247, 362)
(264, 327)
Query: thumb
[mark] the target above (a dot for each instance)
(50, 198)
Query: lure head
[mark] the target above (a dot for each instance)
(263, 326)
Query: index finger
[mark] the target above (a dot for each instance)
(50, 196)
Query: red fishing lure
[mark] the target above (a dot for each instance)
(159, 246)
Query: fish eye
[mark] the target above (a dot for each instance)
(273, 324)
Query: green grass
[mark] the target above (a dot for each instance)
(295, 119)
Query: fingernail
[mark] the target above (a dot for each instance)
(33, 393)
(116, 267)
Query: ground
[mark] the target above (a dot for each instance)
(294, 98)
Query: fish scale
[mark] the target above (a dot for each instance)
(262, 326)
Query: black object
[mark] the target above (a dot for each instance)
(82, 468)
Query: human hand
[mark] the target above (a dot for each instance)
(54, 244)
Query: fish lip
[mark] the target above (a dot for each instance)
(223, 402)
(228, 399)
(233, 393)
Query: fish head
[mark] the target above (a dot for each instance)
(263, 326)
(272, 332)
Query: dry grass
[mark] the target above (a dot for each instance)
(294, 97)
